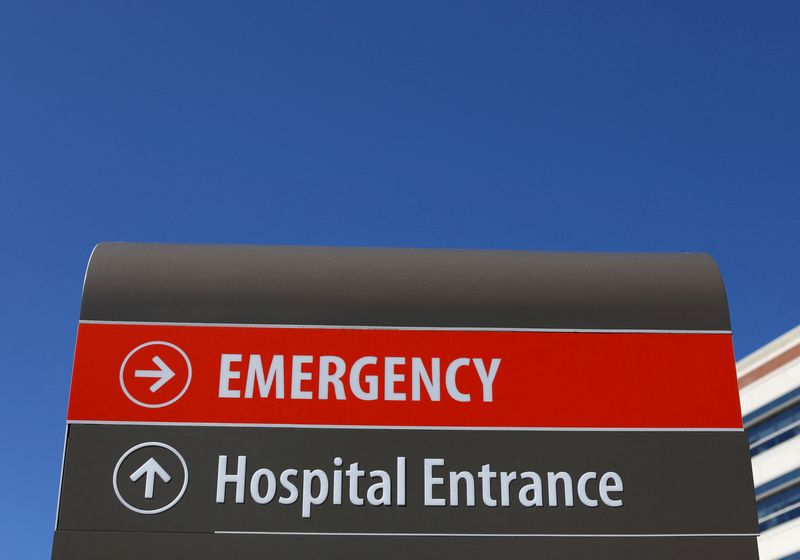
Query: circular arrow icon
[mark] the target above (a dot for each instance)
(150, 477)
(155, 374)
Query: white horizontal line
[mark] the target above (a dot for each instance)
(491, 535)
(360, 427)
(403, 328)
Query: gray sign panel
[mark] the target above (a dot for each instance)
(664, 483)
(411, 287)
(94, 545)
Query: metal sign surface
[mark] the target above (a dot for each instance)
(338, 402)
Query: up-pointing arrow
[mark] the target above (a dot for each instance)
(163, 374)
(149, 470)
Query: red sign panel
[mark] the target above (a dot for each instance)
(419, 377)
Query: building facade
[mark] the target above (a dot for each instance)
(769, 387)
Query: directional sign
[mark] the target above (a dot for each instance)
(148, 380)
(318, 403)
(171, 488)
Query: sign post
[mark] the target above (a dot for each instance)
(233, 401)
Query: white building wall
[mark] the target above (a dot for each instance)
(783, 540)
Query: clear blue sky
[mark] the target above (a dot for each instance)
(621, 126)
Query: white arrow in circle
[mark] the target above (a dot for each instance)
(150, 469)
(163, 374)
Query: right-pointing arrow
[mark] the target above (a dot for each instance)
(149, 470)
(163, 374)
